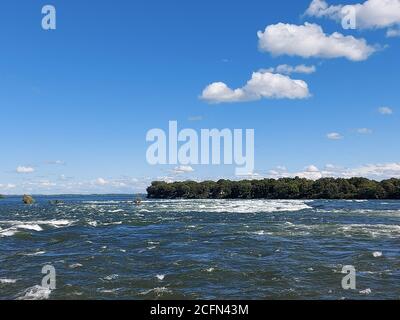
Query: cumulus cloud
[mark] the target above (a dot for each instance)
(311, 172)
(372, 171)
(263, 84)
(183, 169)
(385, 111)
(72, 185)
(7, 186)
(23, 169)
(101, 182)
(320, 8)
(287, 69)
(393, 33)
(377, 171)
(334, 136)
(369, 14)
(309, 40)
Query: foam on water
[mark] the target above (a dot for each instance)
(37, 253)
(229, 206)
(34, 227)
(35, 293)
(8, 281)
(14, 226)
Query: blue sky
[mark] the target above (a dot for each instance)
(78, 101)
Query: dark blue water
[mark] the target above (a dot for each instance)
(105, 247)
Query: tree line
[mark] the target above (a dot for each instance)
(285, 188)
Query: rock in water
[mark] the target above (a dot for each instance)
(56, 202)
(28, 199)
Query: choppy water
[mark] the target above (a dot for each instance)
(105, 247)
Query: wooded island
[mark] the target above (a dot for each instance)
(285, 188)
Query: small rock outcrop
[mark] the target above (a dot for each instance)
(56, 202)
(28, 199)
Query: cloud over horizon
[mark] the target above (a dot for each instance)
(380, 171)
(24, 169)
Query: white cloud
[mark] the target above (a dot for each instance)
(23, 169)
(364, 131)
(369, 14)
(311, 172)
(378, 171)
(320, 8)
(371, 171)
(101, 182)
(70, 185)
(393, 33)
(385, 110)
(261, 85)
(287, 69)
(309, 40)
(183, 169)
(334, 136)
(47, 183)
(7, 186)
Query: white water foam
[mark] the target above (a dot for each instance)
(111, 277)
(8, 281)
(75, 265)
(230, 206)
(36, 293)
(373, 230)
(14, 226)
(37, 253)
(158, 291)
(377, 254)
(366, 291)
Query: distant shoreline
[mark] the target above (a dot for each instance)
(274, 189)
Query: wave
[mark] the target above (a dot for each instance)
(36, 293)
(37, 253)
(14, 226)
(289, 229)
(373, 230)
(158, 292)
(229, 206)
(8, 281)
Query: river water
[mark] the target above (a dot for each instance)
(106, 247)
